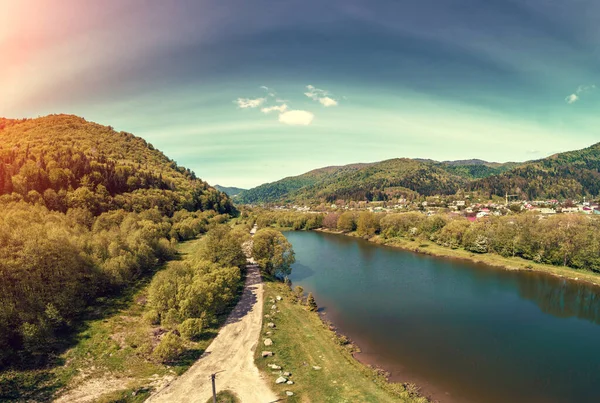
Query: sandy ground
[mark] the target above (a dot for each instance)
(232, 351)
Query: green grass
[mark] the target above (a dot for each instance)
(114, 343)
(301, 341)
(225, 396)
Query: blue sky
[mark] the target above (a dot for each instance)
(245, 92)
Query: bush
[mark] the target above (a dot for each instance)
(169, 349)
(192, 328)
(311, 303)
(152, 317)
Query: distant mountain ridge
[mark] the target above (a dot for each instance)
(565, 175)
(230, 191)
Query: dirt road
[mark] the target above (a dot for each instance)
(232, 351)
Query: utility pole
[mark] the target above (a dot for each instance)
(214, 388)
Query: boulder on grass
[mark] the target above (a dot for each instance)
(267, 354)
(268, 342)
(281, 379)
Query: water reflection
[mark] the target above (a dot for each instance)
(560, 297)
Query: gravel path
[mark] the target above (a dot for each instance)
(232, 351)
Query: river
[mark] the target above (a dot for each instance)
(465, 332)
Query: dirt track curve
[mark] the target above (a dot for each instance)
(232, 351)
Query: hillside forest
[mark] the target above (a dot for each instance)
(85, 212)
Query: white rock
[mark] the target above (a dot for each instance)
(289, 393)
(271, 325)
(274, 366)
(290, 382)
(281, 379)
(274, 307)
(268, 342)
(316, 367)
(267, 354)
(287, 373)
(279, 298)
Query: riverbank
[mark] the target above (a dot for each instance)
(320, 361)
(490, 259)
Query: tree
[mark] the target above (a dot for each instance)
(311, 303)
(223, 246)
(273, 252)
(346, 222)
(368, 224)
(330, 221)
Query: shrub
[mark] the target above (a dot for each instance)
(311, 303)
(152, 317)
(192, 328)
(169, 349)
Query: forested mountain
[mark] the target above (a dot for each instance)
(566, 175)
(276, 191)
(63, 162)
(375, 181)
(84, 212)
(230, 191)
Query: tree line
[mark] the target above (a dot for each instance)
(571, 240)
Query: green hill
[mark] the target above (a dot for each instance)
(373, 181)
(64, 161)
(85, 212)
(570, 174)
(229, 191)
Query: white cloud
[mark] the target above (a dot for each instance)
(278, 108)
(296, 118)
(572, 98)
(250, 103)
(582, 89)
(326, 101)
(322, 96)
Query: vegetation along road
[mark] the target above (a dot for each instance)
(231, 352)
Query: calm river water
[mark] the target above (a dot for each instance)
(466, 332)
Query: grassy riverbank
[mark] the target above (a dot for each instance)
(110, 359)
(491, 259)
(301, 342)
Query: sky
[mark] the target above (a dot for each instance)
(246, 92)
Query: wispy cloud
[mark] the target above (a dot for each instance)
(276, 108)
(582, 89)
(296, 118)
(572, 98)
(321, 96)
(249, 102)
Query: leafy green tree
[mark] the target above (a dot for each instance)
(347, 222)
(223, 246)
(367, 224)
(273, 252)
